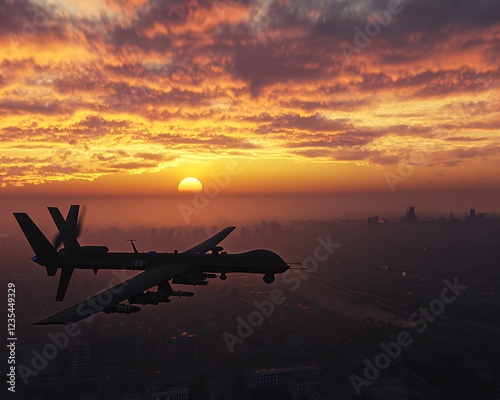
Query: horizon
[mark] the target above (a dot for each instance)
(175, 211)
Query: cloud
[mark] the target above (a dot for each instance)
(295, 122)
(132, 165)
(97, 123)
(206, 140)
(344, 139)
(262, 66)
(34, 107)
(150, 156)
(133, 86)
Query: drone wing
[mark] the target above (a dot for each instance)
(115, 294)
(211, 242)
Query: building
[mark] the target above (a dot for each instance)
(81, 350)
(268, 378)
(80, 357)
(410, 216)
(473, 216)
(164, 391)
(298, 387)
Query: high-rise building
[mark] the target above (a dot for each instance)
(80, 357)
(410, 215)
(81, 349)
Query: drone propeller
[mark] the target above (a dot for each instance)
(74, 223)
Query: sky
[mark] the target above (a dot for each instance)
(282, 96)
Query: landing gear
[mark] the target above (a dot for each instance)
(268, 278)
(223, 276)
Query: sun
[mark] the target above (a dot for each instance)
(190, 184)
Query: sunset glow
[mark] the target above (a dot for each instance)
(110, 91)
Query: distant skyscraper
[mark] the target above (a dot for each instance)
(410, 215)
(81, 349)
(472, 213)
(80, 358)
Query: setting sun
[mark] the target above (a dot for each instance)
(190, 184)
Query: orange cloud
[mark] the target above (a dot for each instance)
(147, 87)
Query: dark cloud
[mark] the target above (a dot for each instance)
(473, 152)
(151, 156)
(24, 21)
(264, 65)
(133, 165)
(433, 83)
(129, 37)
(295, 122)
(355, 154)
(52, 107)
(203, 140)
(465, 139)
(333, 105)
(14, 15)
(314, 153)
(74, 83)
(345, 139)
(98, 123)
(169, 15)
